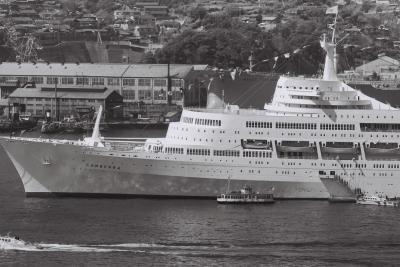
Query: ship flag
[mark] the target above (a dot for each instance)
(332, 10)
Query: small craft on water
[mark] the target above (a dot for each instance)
(245, 196)
(377, 200)
(15, 243)
(8, 242)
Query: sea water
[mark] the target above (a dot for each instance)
(160, 232)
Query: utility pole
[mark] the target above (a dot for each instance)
(169, 91)
(56, 100)
(251, 61)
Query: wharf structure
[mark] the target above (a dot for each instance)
(86, 85)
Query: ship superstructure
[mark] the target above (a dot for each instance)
(312, 129)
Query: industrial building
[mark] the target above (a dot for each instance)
(138, 84)
(66, 101)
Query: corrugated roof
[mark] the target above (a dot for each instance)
(3, 102)
(58, 69)
(157, 70)
(382, 61)
(88, 69)
(39, 93)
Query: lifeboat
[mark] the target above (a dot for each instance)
(382, 148)
(340, 147)
(296, 149)
(337, 150)
(292, 146)
(256, 144)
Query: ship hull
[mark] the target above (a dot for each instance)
(44, 172)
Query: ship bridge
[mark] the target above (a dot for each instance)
(302, 95)
(315, 95)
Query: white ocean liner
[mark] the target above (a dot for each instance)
(312, 129)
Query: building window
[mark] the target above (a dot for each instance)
(128, 94)
(177, 95)
(37, 80)
(82, 81)
(113, 81)
(160, 82)
(144, 95)
(129, 82)
(67, 80)
(144, 82)
(9, 78)
(22, 79)
(52, 80)
(177, 83)
(97, 81)
(160, 94)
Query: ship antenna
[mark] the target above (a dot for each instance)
(334, 28)
(333, 42)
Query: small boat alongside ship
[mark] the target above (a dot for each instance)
(7, 125)
(245, 196)
(377, 200)
(64, 126)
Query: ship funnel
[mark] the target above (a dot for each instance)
(95, 140)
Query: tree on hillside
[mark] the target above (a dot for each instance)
(259, 18)
(217, 47)
(366, 6)
(198, 12)
(72, 5)
(232, 11)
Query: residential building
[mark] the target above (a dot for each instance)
(157, 11)
(86, 22)
(143, 3)
(377, 65)
(126, 13)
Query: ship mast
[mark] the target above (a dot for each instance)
(330, 49)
